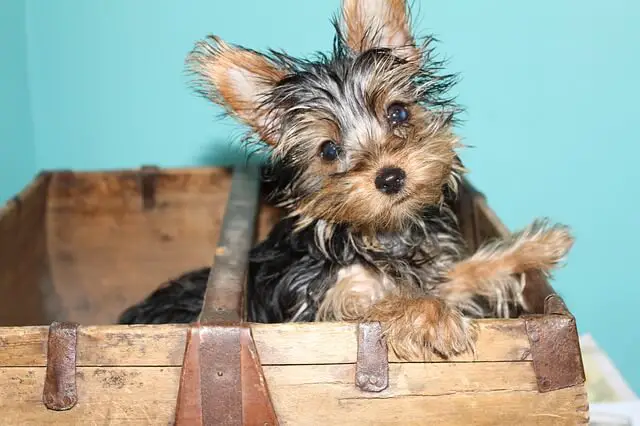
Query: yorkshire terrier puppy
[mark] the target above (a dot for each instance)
(363, 161)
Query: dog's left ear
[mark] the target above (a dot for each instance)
(369, 24)
(240, 80)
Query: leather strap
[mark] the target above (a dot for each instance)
(189, 405)
(59, 392)
(372, 365)
(257, 408)
(222, 381)
(220, 375)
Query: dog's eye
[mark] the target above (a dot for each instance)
(329, 151)
(397, 113)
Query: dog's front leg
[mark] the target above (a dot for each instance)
(416, 327)
(495, 271)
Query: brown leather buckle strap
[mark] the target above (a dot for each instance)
(372, 365)
(222, 381)
(59, 391)
(555, 348)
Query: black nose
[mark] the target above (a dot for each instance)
(390, 180)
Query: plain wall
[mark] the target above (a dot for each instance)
(550, 89)
(17, 150)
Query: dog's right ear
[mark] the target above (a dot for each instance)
(239, 80)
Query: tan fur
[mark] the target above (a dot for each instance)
(490, 271)
(353, 198)
(413, 325)
(240, 77)
(420, 326)
(378, 23)
(355, 291)
(417, 325)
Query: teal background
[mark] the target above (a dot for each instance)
(17, 149)
(550, 89)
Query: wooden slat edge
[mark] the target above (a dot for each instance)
(451, 394)
(201, 170)
(223, 298)
(277, 344)
(13, 203)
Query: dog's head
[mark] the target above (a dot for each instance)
(365, 132)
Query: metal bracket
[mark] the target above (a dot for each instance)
(59, 392)
(222, 382)
(555, 347)
(372, 364)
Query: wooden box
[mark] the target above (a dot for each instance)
(80, 247)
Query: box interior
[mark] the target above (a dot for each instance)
(84, 246)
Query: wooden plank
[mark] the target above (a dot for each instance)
(267, 218)
(108, 252)
(427, 379)
(117, 396)
(224, 297)
(447, 394)
(451, 394)
(277, 344)
(23, 259)
(322, 405)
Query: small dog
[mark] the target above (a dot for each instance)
(363, 162)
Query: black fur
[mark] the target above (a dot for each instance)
(291, 271)
(177, 301)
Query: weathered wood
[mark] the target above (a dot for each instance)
(108, 252)
(87, 245)
(23, 257)
(448, 394)
(115, 396)
(224, 296)
(308, 406)
(82, 246)
(294, 343)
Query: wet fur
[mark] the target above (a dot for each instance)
(345, 250)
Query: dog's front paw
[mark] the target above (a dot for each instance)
(417, 328)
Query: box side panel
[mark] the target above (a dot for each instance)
(447, 394)
(115, 237)
(277, 344)
(418, 394)
(23, 258)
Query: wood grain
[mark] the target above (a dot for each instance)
(277, 344)
(108, 252)
(116, 396)
(23, 258)
(447, 394)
